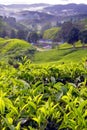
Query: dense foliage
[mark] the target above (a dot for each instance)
(43, 97)
(73, 36)
(67, 31)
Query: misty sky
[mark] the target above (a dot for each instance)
(41, 1)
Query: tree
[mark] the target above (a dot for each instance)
(21, 34)
(33, 37)
(4, 33)
(65, 30)
(73, 36)
(83, 37)
(13, 34)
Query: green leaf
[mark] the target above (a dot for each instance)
(9, 105)
(43, 110)
(10, 120)
(24, 107)
(2, 106)
(33, 104)
(38, 98)
(30, 128)
(18, 126)
(37, 119)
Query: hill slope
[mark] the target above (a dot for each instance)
(15, 48)
(51, 33)
(64, 53)
(39, 15)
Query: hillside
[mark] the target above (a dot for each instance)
(58, 10)
(9, 27)
(51, 33)
(67, 10)
(15, 49)
(64, 53)
(39, 15)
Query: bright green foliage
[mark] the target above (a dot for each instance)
(51, 33)
(41, 97)
(15, 48)
(75, 56)
(61, 55)
(65, 46)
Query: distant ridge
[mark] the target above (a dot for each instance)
(24, 5)
(40, 15)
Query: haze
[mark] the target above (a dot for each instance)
(41, 1)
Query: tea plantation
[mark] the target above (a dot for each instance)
(51, 95)
(43, 97)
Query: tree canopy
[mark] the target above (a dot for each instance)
(73, 35)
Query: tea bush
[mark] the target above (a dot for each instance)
(43, 97)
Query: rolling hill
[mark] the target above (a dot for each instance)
(63, 54)
(15, 49)
(39, 15)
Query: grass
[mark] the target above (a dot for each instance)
(76, 56)
(13, 48)
(65, 53)
(65, 46)
(51, 55)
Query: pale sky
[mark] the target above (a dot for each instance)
(42, 1)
